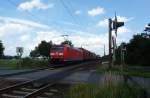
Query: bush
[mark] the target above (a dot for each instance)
(33, 63)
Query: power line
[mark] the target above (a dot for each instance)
(69, 11)
(73, 10)
(35, 17)
(68, 6)
(65, 5)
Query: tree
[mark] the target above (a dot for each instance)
(43, 49)
(35, 53)
(67, 42)
(1, 49)
(137, 50)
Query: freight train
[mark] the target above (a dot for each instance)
(66, 53)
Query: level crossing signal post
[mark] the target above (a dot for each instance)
(19, 51)
(112, 25)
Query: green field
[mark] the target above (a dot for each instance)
(9, 63)
(23, 63)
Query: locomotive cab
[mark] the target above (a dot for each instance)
(57, 54)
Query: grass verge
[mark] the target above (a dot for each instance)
(105, 91)
(125, 71)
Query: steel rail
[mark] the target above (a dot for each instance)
(22, 72)
(49, 80)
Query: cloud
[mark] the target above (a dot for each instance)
(88, 40)
(96, 11)
(28, 35)
(33, 4)
(6, 20)
(11, 28)
(78, 12)
(25, 37)
(17, 32)
(104, 23)
(124, 19)
(122, 30)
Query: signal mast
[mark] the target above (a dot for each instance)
(113, 25)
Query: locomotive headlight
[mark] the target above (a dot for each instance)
(52, 54)
(60, 53)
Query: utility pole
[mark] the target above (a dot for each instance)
(123, 50)
(104, 50)
(110, 42)
(114, 50)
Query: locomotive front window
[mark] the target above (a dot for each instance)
(58, 49)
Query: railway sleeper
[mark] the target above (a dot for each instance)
(48, 94)
(18, 92)
(10, 96)
(28, 89)
(54, 90)
(40, 97)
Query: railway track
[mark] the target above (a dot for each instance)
(27, 90)
(22, 72)
(40, 88)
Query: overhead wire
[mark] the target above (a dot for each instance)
(69, 11)
(69, 7)
(73, 10)
(65, 5)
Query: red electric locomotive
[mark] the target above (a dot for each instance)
(65, 53)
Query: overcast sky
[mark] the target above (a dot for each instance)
(26, 22)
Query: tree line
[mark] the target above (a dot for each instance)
(137, 50)
(1, 49)
(41, 50)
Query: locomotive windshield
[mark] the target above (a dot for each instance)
(58, 49)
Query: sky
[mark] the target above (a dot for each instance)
(25, 23)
